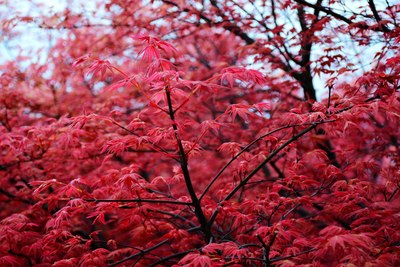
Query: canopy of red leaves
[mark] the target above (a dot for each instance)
(190, 133)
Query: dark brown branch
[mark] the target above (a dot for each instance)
(325, 10)
(393, 194)
(392, 14)
(259, 167)
(304, 78)
(276, 169)
(292, 256)
(378, 19)
(275, 17)
(241, 152)
(13, 197)
(290, 211)
(140, 200)
(233, 28)
(138, 254)
(336, 15)
(6, 122)
(308, 34)
(174, 215)
(185, 171)
(270, 156)
(157, 147)
(267, 248)
(167, 258)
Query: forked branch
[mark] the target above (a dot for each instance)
(185, 171)
(259, 167)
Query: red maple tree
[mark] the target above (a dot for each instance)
(189, 133)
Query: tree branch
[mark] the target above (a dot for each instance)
(241, 152)
(140, 200)
(336, 15)
(185, 171)
(259, 167)
(378, 19)
(13, 197)
(292, 256)
(138, 254)
(267, 248)
(167, 258)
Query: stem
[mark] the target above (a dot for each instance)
(376, 15)
(13, 197)
(259, 167)
(336, 15)
(167, 258)
(329, 96)
(244, 150)
(138, 254)
(140, 200)
(157, 147)
(292, 256)
(205, 227)
(393, 194)
(174, 215)
(267, 248)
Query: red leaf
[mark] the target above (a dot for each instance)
(196, 260)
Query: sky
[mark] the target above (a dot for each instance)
(34, 41)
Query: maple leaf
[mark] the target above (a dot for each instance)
(241, 110)
(210, 125)
(231, 74)
(213, 248)
(157, 65)
(196, 260)
(231, 147)
(44, 185)
(60, 217)
(153, 46)
(132, 80)
(128, 180)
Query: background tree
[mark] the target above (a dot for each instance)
(189, 133)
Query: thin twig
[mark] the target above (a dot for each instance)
(245, 149)
(259, 167)
(167, 258)
(139, 253)
(338, 16)
(140, 200)
(292, 256)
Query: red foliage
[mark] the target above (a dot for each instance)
(202, 141)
